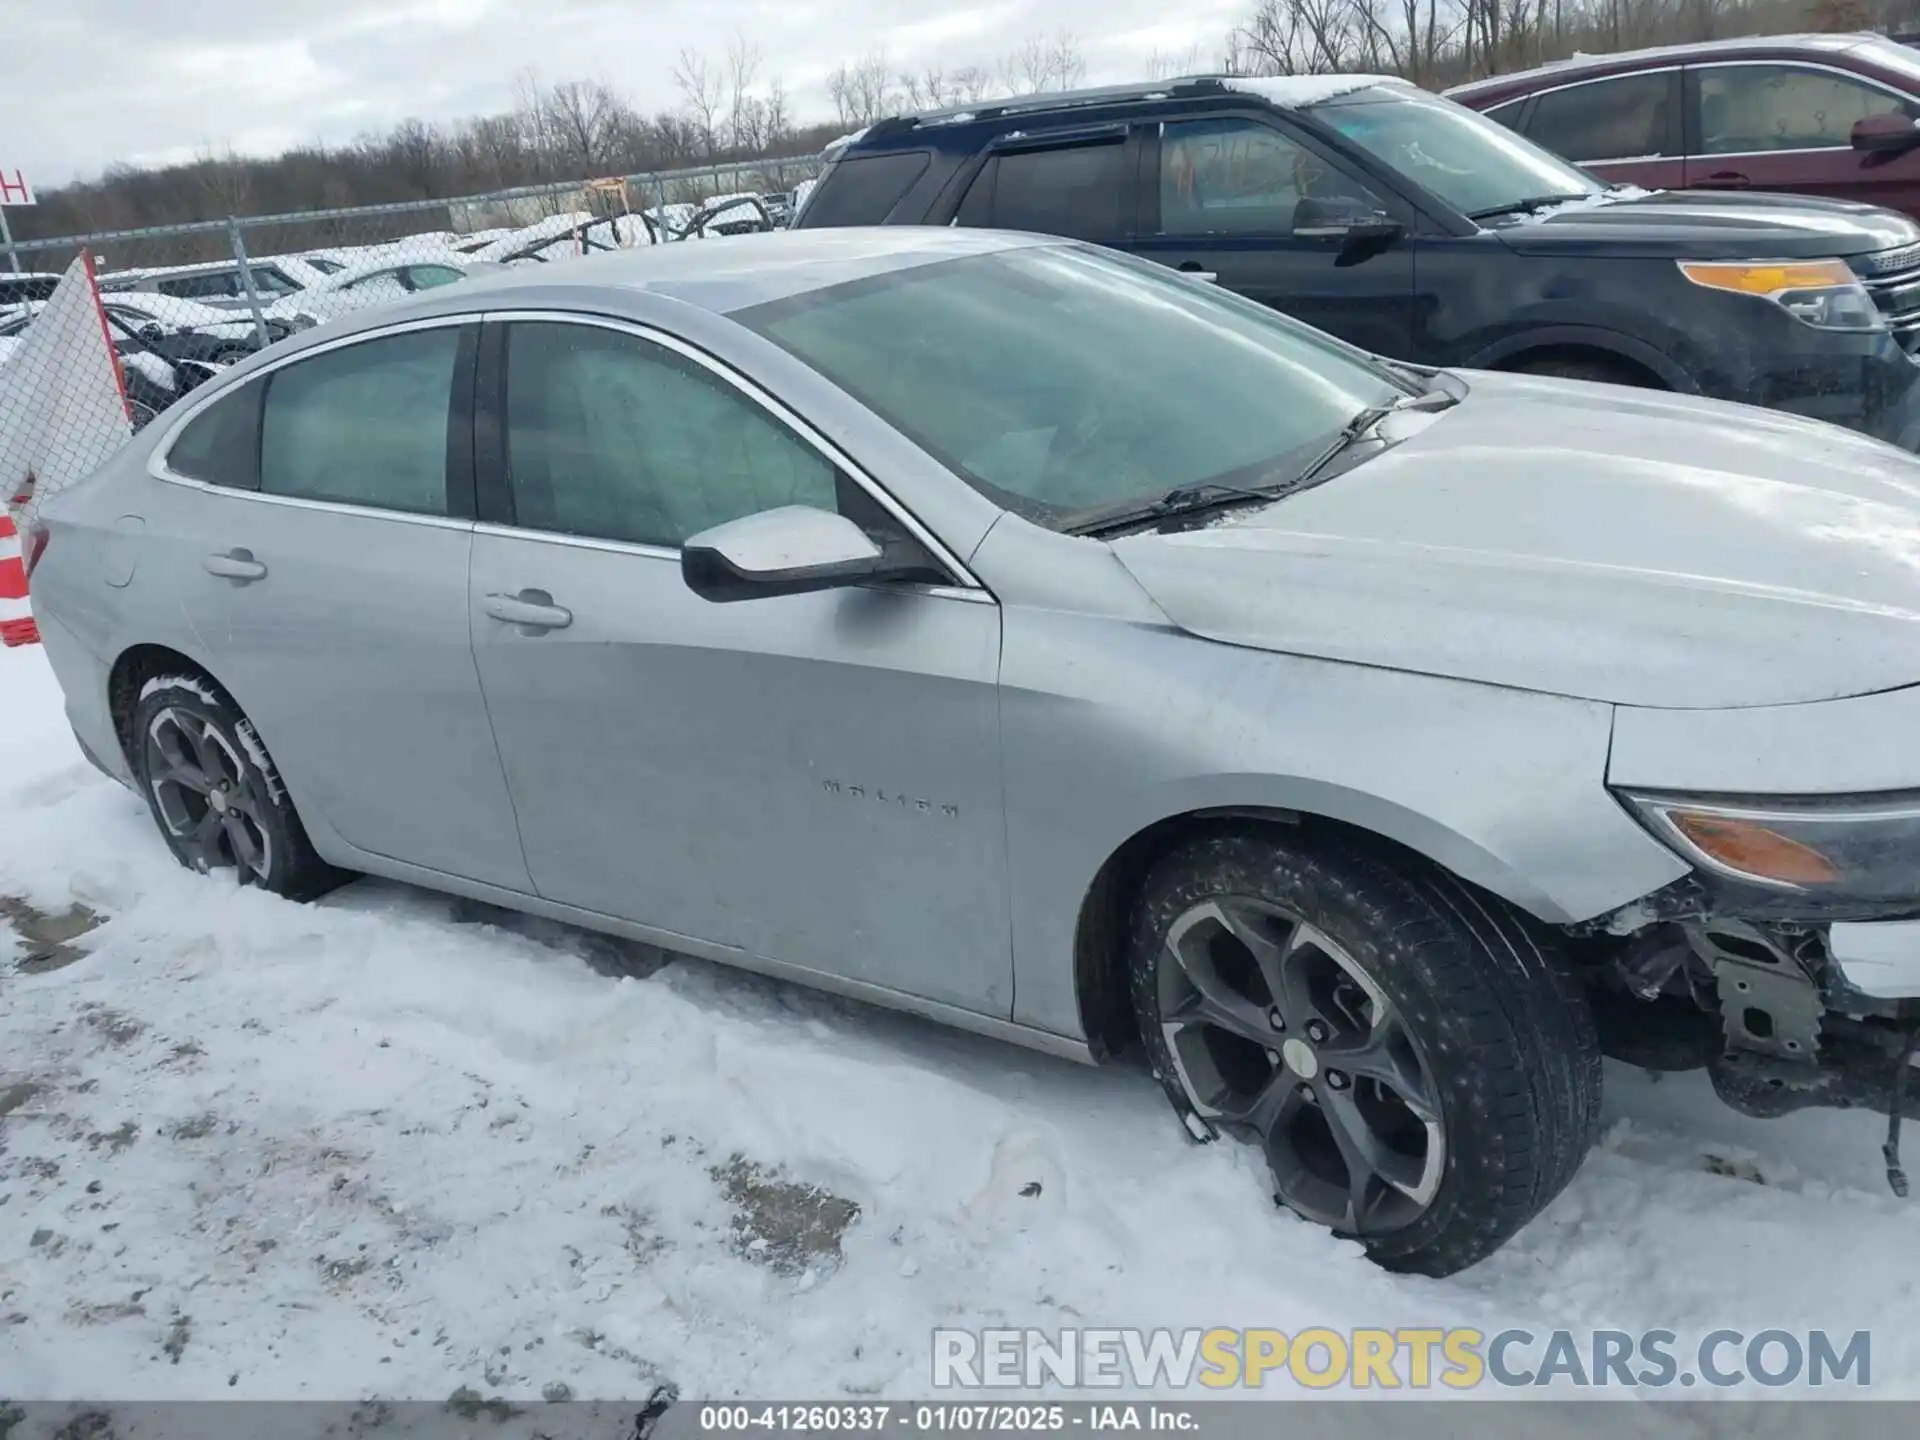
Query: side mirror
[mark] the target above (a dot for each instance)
(793, 550)
(1884, 135)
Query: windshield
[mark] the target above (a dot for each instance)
(1475, 164)
(1063, 379)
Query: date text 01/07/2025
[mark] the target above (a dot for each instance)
(944, 1417)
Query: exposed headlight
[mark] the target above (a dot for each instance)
(1822, 293)
(1857, 848)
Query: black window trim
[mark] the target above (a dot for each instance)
(1023, 139)
(1690, 108)
(1679, 112)
(495, 514)
(460, 456)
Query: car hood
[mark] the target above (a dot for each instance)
(1584, 540)
(1709, 225)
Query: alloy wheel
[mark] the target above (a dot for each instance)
(203, 794)
(1279, 1035)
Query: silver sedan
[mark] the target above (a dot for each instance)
(1047, 643)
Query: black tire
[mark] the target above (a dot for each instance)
(1586, 367)
(187, 731)
(1499, 1029)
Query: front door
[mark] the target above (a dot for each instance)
(813, 779)
(1266, 214)
(1789, 127)
(1624, 128)
(329, 585)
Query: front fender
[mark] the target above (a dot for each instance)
(1110, 729)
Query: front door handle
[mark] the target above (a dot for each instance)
(1212, 277)
(1727, 180)
(238, 566)
(532, 610)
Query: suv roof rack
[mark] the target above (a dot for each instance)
(1053, 100)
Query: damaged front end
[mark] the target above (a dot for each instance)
(1789, 998)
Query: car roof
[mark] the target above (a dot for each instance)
(1285, 91)
(1521, 80)
(731, 272)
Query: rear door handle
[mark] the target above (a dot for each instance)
(1727, 180)
(1212, 277)
(531, 610)
(238, 566)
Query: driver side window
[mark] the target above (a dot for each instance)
(1239, 177)
(612, 437)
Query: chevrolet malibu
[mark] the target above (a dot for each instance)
(1044, 642)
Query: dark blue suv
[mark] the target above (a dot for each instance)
(1420, 230)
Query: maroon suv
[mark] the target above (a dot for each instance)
(1831, 115)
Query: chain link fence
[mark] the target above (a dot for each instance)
(184, 301)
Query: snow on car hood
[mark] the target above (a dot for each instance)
(1584, 540)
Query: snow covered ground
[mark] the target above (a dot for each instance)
(393, 1144)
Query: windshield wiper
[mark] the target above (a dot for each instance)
(1526, 206)
(1216, 495)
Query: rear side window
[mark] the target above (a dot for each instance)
(221, 444)
(1071, 190)
(364, 425)
(1507, 114)
(863, 189)
(1624, 118)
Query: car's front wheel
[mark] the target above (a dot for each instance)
(1411, 1054)
(214, 793)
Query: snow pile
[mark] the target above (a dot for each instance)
(1294, 92)
(393, 1144)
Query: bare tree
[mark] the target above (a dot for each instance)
(743, 112)
(970, 84)
(585, 118)
(1166, 64)
(861, 90)
(701, 94)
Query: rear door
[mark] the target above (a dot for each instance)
(320, 541)
(1624, 128)
(1783, 125)
(1265, 211)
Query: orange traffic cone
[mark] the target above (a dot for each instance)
(16, 616)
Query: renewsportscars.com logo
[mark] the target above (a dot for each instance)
(1411, 1359)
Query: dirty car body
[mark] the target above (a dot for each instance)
(1623, 680)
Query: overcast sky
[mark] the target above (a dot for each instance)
(90, 83)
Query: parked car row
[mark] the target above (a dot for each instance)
(1423, 231)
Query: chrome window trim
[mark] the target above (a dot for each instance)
(1869, 81)
(755, 395)
(672, 556)
(158, 468)
(1581, 84)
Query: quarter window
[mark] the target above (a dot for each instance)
(1746, 109)
(219, 444)
(1623, 118)
(616, 438)
(1230, 176)
(364, 425)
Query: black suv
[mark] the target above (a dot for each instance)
(1420, 230)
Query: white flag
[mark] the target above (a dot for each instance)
(63, 407)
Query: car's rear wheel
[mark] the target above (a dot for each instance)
(1411, 1055)
(214, 793)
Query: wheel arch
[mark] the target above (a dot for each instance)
(1585, 341)
(1100, 928)
(131, 670)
